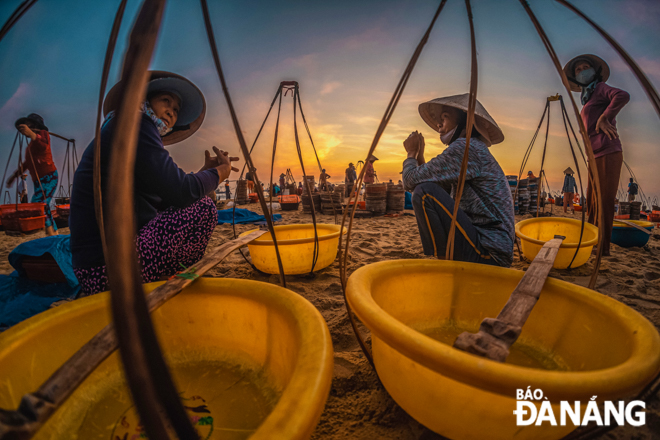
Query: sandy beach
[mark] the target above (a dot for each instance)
(358, 406)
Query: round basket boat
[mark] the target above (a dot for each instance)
(576, 344)
(296, 246)
(628, 236)
(535, 232)
(251, 360)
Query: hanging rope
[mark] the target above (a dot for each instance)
(241, 139)
(98, 193)
(585, 138)
(343, 254)
(15, 16)
(472, 102)
(11, 153)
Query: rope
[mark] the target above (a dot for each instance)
(15, 16)
(11, 152)
(239, 135)
(343, 257)
(545, 148)
(577, 166)
(98, 193)
(472, 102)
(593, 170)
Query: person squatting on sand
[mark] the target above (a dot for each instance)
(485, 228)
(175, 218)
(600, 105)
(39, 161)
(569, 189)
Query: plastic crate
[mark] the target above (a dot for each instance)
(31, 224)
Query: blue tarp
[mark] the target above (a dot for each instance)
(408, 200)
(20, 297)
(243, 217)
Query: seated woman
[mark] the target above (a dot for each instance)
(485, 227)
(174, 217)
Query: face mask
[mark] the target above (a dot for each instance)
(445, 138)
(586, 76)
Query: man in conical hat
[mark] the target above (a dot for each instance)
(485, 229)
(569, 189)
(601, 103)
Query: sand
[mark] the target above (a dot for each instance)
(358, 406)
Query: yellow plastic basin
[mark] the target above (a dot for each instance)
(296, 246)
(250, 359)
(610, 350)
(535, 232)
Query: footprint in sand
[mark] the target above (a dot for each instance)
(651, 276)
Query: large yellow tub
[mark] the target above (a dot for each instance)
(250, 359)
(296, 246)
(535, 232)
(580, 344)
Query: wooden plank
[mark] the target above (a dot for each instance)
(37, 407)
(495, 336)
(634, 225)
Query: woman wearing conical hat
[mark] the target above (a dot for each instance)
(175, 217)
(485, 231)
(569, 189)
(601, 103)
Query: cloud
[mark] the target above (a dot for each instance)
(329, 87)
(13, 106)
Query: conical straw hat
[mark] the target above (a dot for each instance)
(569, 170)
(484, 123)
(594, 60)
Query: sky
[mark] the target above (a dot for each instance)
(348, 57)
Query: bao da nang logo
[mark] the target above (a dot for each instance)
(533, 408)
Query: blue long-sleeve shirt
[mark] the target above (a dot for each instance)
(569, 184)
(159, 184)
(486, 198)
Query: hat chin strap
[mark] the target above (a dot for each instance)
(178, 128)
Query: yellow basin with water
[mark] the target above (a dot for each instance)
(250, 359)
(576, 344)
(296, 246)
(535, 232)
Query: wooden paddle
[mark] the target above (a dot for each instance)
(634, 225)
(35, 408)
(496, 335)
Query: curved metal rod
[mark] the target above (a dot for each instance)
(585, 138)
(472, 103)
(241, 139)
(151, 384)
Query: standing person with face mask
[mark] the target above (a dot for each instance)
(485, 229)
(601, 103)
(174, 216)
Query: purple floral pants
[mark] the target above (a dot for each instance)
(174, 239)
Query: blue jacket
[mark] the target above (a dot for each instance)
(159, 184)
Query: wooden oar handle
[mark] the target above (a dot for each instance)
(496, 335)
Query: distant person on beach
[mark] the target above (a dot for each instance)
(250, 181)
(569, 189)
(227, 190)
(601, 103)
(39, 162)
(530, 175)
(485, 227)
(633, 189)
(22, 188)
(323, 180)
(369, 173)
(282, 180)
(300, 189)
(350, 178)
(174, 217)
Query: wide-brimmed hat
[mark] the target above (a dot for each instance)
(484, 123)
(569, 170)
(373, 158)
(33, 119)
(193, 104)
(597, 63)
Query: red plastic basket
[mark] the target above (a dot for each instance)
(31, 224)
